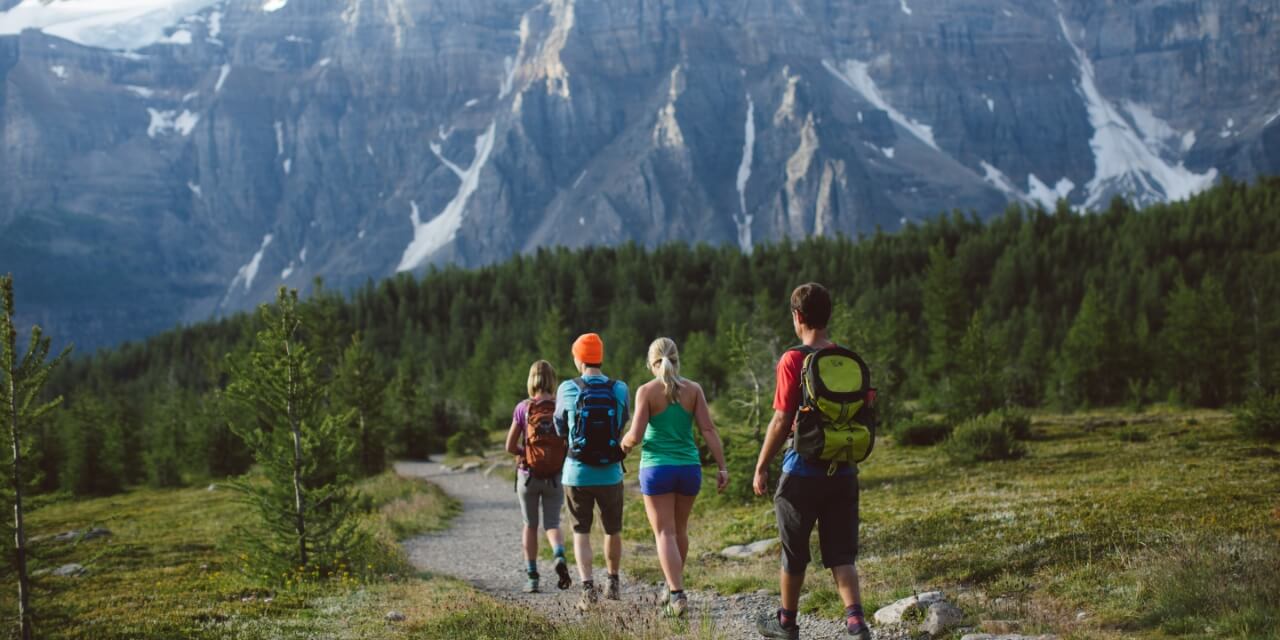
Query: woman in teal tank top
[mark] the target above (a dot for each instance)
(670, 467)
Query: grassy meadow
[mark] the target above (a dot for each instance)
(1161, 524)
(1114, 525)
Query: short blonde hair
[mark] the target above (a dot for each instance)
(542, 377)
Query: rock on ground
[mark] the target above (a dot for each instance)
(894, 613)
(941, 617)
(748, 551)
(71, 570)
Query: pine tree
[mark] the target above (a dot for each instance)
(945, 311)
(359, 387)
(304, 449)
(1202, 362)
(22, 381)
(975, 385)
(1091, 367)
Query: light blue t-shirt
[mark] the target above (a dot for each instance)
(577, 474)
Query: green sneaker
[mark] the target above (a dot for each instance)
(531, 584)
(770, 627)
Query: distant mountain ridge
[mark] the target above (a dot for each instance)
(168, 160)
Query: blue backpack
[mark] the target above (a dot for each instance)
(596, 436)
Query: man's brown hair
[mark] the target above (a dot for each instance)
(813, 301)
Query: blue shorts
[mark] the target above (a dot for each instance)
(662, 479)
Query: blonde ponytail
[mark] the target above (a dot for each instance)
(664, 360)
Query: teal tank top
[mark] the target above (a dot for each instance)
(669, 439)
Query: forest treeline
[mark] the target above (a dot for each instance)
(1178, 302)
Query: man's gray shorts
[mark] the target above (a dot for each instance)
(535, 493)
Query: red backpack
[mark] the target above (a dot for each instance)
(544, 449)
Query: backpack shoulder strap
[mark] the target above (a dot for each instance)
(580, 383)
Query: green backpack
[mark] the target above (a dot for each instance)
(835, 424)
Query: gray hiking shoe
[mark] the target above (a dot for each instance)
(531, 583)
(613, 591)
(770, 627)
(588, 599)
(676, 607)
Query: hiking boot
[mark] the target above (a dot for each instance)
(770, 626)
(613, 591)
(859, 630)
(531, 584)
(588, 599)
(676, 607)
(562, 571)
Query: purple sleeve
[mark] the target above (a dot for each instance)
(521, 415)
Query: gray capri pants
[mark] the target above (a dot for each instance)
(548, 491)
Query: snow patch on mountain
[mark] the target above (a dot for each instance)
(999, 180)
(59, 70)
(249, 271)
(195, 189)
(905, 8)
(430, 236)
(1047, 197)
(743, 220)
(222, 77)
(141, 92)
(856, 75)
(279, 126)
(274, 5)
(107, 24)
(170, 121)
(1124, 162)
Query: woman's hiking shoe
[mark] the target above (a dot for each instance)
(531, 584)
(613, 591)
(588, 598)
(562, 571)
(676, 607)
(859, 630)
(770, 626)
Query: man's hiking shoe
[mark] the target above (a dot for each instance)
(588, 598)
(770, 626)
(531, 584)
(859, 630)
(562, 571)
(676, 607)
(613, 591)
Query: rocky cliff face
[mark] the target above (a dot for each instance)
(168, 160)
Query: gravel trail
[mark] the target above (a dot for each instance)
(482, 547)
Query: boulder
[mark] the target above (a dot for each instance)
(747, 551)
(941, 617)
(469, 467)
(894, 613)
(69, 570)
(394, 616)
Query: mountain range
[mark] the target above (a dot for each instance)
(168, 161)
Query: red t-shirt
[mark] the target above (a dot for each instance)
(786, 395)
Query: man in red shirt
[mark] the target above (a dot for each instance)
(808, 492)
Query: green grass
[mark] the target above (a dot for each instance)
(1081, 523)
(1160, 535)
(169, 571)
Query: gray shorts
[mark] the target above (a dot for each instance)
(538, 492)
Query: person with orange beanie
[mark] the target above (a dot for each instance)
(591, 411)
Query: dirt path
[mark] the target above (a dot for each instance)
(482, 547)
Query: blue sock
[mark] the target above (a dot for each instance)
(532, 566)
(559, 551)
